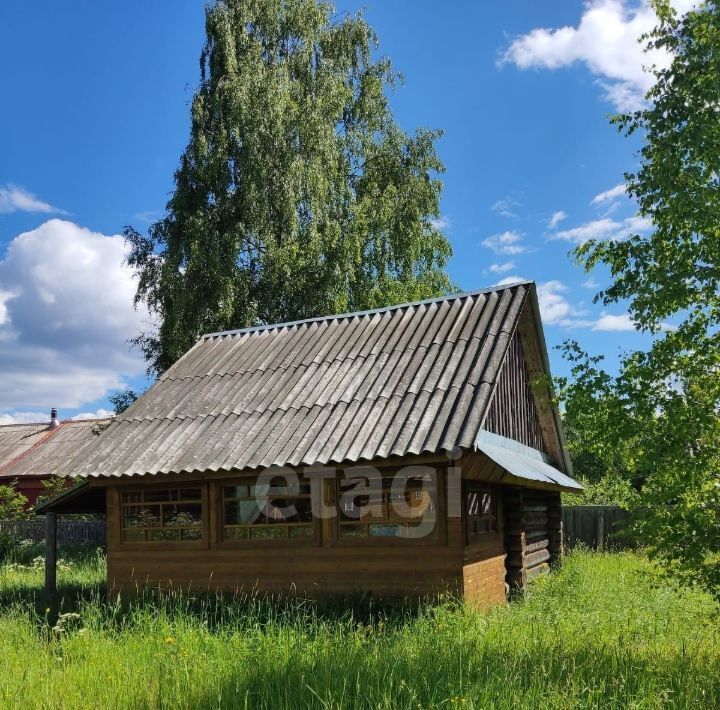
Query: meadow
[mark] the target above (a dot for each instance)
(604, 631)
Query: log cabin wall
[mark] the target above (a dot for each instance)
(533, 533)
(314, 567)
(512, 412)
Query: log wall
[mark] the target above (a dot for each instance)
(533, 533)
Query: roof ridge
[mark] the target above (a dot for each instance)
(62, 421)
(25, 424)
(370, 311)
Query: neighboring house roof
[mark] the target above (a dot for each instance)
(36, 450)
(407, 379)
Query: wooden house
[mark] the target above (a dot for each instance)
(400, 451)
(30, 453)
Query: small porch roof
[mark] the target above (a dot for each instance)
(82, 498)
(523, 463)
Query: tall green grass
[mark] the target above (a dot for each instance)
(606, 631)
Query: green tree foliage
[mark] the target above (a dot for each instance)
(122, 399)
(13, 504)
(53, 487)
(298, 194)
(661, 412)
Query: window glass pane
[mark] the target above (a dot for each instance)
(255, 511)
(243, 512)
(191, 533)
(353, 531)
(384, 530)
(158, 496)
(157, 515)
(480, 510)
(301, 531)
(388, 506)
(162, 535)
(269, 532)
(232, 533)
(236, 491)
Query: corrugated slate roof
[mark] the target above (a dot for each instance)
(402, 380)
(37, 450)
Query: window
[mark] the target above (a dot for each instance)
(401, 506)
(162, 515)
(259, 511)
(480, 513)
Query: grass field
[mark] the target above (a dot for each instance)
(604, 632)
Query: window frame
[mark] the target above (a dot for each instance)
(439, 538)
(202, 544)
(311, 540)
(479, 487)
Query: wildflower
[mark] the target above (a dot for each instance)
(47, 611)
(169, 640)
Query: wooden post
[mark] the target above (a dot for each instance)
(50, 552)
(600, 531)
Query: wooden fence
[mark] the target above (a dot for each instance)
(68, 531)
(599, 527)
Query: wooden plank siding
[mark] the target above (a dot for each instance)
(313, 567)
(512, 412)
(527, 540)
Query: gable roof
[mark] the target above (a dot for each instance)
(406, 379)
(36, 450)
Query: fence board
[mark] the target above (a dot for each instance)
(68, 531)
(598, 527)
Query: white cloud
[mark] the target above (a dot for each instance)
(556, 309)
(502, 268)
(440, 223)
(506, 207)
(595, 229)
(17, 199)
(609, 195)
(556, 218)
(505, 243)
(590, 283)
(24, 417)
(606, 41)
(97, 414)
(63, 337)
(604, 228)
(612, 323)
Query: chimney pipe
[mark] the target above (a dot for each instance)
(54, 419)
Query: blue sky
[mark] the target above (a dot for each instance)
(95, 116)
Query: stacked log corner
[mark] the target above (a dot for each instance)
(555, 528)
(533, 534)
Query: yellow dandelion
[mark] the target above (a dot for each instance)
(169, 640)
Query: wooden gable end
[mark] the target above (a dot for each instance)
(522, 406)
(512, 412)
